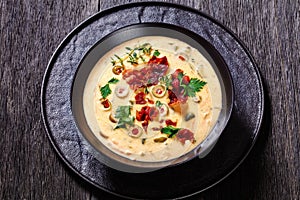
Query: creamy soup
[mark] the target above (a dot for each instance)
(152, 99)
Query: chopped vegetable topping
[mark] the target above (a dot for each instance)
(189, 116)
(105, 91)
(105, 103)
(195, 85)
(123, 114)
(170, 122)
(170, 130)
(160, 139)
(159, 91)
(134, 54)
(140, 98)
(135, 131)
(113, 80)
(158, 104)
(118, 69)
(181, 58)
(156, 53)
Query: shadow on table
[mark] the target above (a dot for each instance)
(241, 184)
(245, 182)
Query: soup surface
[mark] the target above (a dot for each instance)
(152, 99)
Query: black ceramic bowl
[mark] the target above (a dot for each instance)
(108, 157)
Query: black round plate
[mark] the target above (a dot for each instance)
(191, 177)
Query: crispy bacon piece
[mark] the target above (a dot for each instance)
(146, 114)
(185, 134)
(149, 75)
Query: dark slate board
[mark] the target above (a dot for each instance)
(194, 176)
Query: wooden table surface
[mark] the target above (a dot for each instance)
(32, 29)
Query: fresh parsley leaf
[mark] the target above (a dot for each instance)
(113, 81)
(156, 53)
(195, 85)
(128, 48)
(170, 130)
(122, 111)
(105, 91)
(158, 104)
(123, 114)
(166, 80)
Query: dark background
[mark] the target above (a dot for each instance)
(31, 30)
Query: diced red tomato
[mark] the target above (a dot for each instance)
(175, 74)
(150, 101)
(140, 98)
(181, 58)
(105, 103)
(156, 60)
(185, 79)
(153, 113)
(145, 125)
(170, 122)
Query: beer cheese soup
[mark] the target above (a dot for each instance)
(152, 99)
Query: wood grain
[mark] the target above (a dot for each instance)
(31, 30)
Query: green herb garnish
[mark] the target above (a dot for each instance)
(120, 59)
(158, 104)
(166, 80)
(113, 81)
(195, 85)
(170, 130)
(113, 62)
(134, 54)
(123, 114)
(105, 90)
(156, 53)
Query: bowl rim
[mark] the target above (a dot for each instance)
(209, 48)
